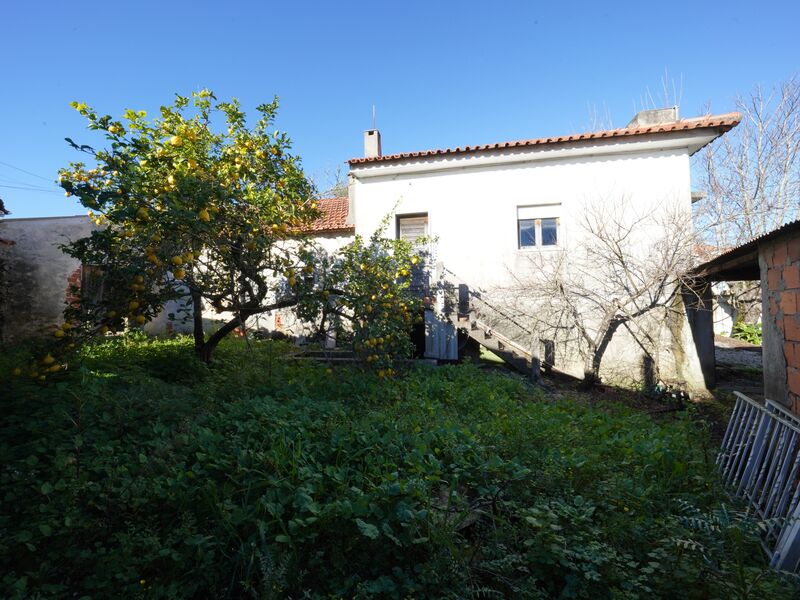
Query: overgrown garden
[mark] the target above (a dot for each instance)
(148, 473)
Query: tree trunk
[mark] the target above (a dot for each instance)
(197, 315)
(591, 373)
(207, 348)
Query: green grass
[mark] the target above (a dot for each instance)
(490, 357)
(144, 473)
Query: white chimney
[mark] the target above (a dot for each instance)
(372, 143)
(655, 116)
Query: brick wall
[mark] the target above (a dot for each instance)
(782, 300)
(74, 286)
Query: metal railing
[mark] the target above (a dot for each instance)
(760, 461)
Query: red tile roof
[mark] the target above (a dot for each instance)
(721, 123)
(334, 217)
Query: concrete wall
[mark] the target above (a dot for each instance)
(472, 207)
(37, 273)
(780, 287)
(39, 277)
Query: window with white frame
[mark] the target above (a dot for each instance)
(538, 226)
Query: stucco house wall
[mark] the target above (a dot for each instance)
(329, 233)
(472, 201)
(473, 211)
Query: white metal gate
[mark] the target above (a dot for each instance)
(760, 460)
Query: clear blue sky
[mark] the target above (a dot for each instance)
(441, 74)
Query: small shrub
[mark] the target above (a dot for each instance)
(748, 332)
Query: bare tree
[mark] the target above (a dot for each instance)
(671, 94)
(752, 174)
(626, 271)
(332, 184)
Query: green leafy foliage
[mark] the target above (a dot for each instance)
(197, 207)
(151, 474)
(749, 332)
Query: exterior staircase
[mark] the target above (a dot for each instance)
(508, 350)
(473, 315)
(462, 308)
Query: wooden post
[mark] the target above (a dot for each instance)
(536, 361)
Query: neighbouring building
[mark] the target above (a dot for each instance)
(40, 280)
(331, 231)
(773, 260)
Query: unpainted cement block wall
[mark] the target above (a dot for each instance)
(780, 285)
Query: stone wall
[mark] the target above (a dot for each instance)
(38, 275)
(780, 285)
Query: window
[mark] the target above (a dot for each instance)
(414, 229)
(537, 226)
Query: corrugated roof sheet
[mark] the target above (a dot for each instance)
(748, 246)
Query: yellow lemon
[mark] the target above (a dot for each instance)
(177, 261)
(204, 216)
(179, 273)
(140, 319)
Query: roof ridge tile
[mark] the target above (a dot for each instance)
(726, 120)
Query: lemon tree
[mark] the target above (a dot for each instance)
(197, 206)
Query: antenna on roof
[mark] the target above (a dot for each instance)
(373, 116)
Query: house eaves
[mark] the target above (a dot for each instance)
(692, 134)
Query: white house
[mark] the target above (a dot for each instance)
(491, 207)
